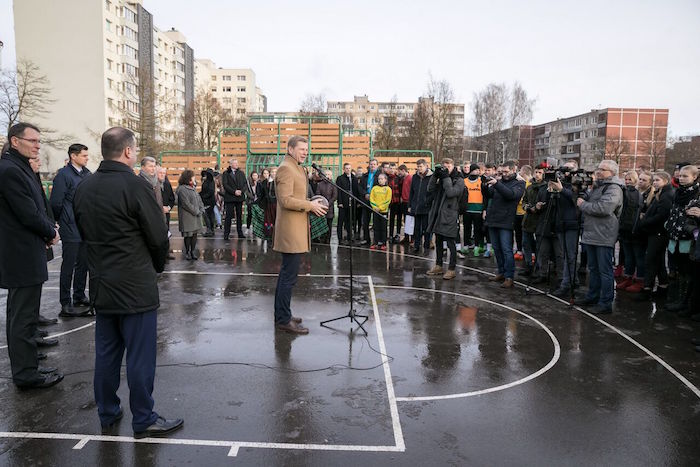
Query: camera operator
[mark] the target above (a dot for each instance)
(505, 193)
(600, 230)
(446, 186)
(566, 224)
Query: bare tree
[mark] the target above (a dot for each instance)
(615, 147)
(418, 129)
(387, 136)
(440, 99)
(653, 144)
(313, 104)
(208, 118)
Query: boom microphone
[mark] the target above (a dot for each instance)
(316, 167)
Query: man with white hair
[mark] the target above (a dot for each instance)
(600, 228)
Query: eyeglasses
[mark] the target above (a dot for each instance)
(33, 141)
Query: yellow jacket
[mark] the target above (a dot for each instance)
(380, 198)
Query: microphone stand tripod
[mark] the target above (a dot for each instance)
(351, 313)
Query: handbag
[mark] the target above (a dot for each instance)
(409, 225)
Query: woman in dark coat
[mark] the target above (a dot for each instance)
(445, 186)
(330, 192)
(208, 195)
(268, 202)
(189, 212)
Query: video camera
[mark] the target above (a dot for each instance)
(441, 172)
(568, 175)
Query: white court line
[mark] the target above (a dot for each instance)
(234, 446)
(663, 363)
(214, 273)
(398, 433)
(541, 371)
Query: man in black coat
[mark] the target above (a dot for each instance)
(235, 188)
(505, 193)
(419, 205)
(347, 182)
(74, 263)
(25, 233)
(127, 243)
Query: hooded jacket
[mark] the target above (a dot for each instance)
(444, 212)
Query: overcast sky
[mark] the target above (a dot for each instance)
(571, 56)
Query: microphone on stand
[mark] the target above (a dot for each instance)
(316, 167)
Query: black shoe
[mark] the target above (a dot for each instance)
(695, 341)
(43, 342)
(45, 321)
(41, 333)
(364, 242)
(660, 292)
(161, 427)
(562, 292)
(45, 370)
(171, 256)
(68, 311)
(415, 250)
(538, 280)
(43, 382)
(525, 272)
(108, 427)
(41, 356)
(600, 310)
(240, 235)
(194, 255)
(226, 237)
(83, 303)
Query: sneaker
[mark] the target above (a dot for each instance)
(487, 254)
(618, 272)
(450, 274)
(464, 250)
(373, 247)
(477, 251)
(435, 271)
(383, 247)
(518, 256)
(460, 255)
(636, 287)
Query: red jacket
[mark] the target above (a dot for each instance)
(406, 188)
(395, 185)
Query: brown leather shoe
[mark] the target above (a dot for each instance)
(292, 327)
(296, 319)
(435, 271)
(497, 278)
(450, 274)
(507, 284)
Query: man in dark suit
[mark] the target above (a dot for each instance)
(347, 182)
(127, 243)
(74, 264)
(235, 189)
(25, 233)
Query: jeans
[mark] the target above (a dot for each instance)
(601, 283)
(568, 241)
(135, 333)
(286, 281)
(502, 241)
(438, 251)
(634, 257)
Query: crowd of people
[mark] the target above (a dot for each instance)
(637, 234)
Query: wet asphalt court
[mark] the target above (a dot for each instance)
(452, 372)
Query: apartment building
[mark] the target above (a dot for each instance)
(634, 137)
(234, 88)
(362, 114)
(116, 68)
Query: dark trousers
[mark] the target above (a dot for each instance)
(74, 270)
(234, 207)
(22, 318)
(395, 218)
(655, 261)
(634, 257)
(379, 229)
(518, 230)
(366, 217)
(344, 222)
(135, 333)
(419, 231)
(548, 249)
(473, 229)
(529, 248)
(209, 218)
(438, 251)
(358, 217)
(286, 281)
(695, 288)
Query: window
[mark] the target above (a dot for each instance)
(241, 77)
(213, 77)
(108, 5)
(110, 83)
(226, 78)
(109, 64)
(108, 25)
(129, 15)
(241, 111)
(130, 33)
(226, 100)
(241, 100)
(129, 51)
(110, 103)
(129, 69)
(227, 89)
(181, 67)
(213, 89)
(240, 89)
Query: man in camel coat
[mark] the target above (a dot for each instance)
(292, 229)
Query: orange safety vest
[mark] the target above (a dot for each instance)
(474, 191)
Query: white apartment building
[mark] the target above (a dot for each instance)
(234, 88)
(115, 68)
